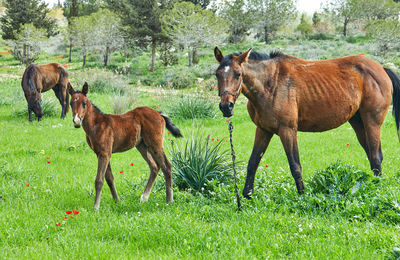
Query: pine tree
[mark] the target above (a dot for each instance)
(20, 12)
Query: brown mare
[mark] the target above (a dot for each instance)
(40, 78)
(287, 94)
(141, 127)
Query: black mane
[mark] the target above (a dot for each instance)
(254, 55)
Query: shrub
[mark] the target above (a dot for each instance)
(49, 108)
(99, 80)
(191, 107)
(178, 77)
(197, 162)
(122, 103)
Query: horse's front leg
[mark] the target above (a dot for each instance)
(30, 114)
(261, 142)
(103, 160)
(289, 141)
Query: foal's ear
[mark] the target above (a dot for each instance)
(85, 88)
(71, 90)
(242, 58)
(218, 54)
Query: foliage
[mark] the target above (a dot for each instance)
(270, 15)
(239, 17)
(191, 107)
(191, 26)
(82, 30)
(386, 34)
(100, 80)
(74, 8)
(304, 27)
(28, 43)
(22, 12)
(122, 102)
(199, 161)
(178, 78)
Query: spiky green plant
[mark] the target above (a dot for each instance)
(198, 161)
(191, 107)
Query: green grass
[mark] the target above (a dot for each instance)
(276, 223)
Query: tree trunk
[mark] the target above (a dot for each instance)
(84, 60)
(266, 35)
(106, 56)
(70, 53)
(125, 50)
(194, 56)
(190, 57)
(346, 21)
(24, 51)
(153, 55)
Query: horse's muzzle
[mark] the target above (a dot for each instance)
(226, 109)
(77, 121)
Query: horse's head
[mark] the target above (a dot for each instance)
(78, 104)
(230, 78)
(34, 99)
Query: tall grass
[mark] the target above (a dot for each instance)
(191, 107)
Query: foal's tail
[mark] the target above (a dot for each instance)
(170, 126)
(396, 97)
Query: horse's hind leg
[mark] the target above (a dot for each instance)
(162, 161)
(110, 182)
(372, 134)
(288, 139)
(358, 127)
(154, 169)
(58, 92)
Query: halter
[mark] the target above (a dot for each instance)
(237, 91)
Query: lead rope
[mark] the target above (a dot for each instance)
(230, 127)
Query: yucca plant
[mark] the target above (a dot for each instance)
(197, 162)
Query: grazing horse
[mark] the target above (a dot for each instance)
(141, 127)
(287, 94)
(40, 78)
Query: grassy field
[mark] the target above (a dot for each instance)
(46, 169)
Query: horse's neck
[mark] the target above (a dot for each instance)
(255, 78)
(91, 117)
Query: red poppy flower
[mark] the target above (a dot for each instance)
(266, 165)
(122, 172)
(360, 54)
(212, 139)
(71, 216)
(47, 157)
(48, 161)
(217, 139)
(75, 212)
(58, 224)
(68, 212)
(227, 120)
(169, 133)
(226, 140)
(151, 84)
(65, 217)
(347, 144)
(131, 164)
(27, 185)
(159, 105)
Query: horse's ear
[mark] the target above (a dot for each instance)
(242, 58)
(71, 90)
(218, 54)
(85, 88)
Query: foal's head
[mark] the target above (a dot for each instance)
(230, 78)
(78, 104)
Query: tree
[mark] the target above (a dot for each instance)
(28, 43)
(239, 17)
(270, 15)
(203, 3)
(316, 18)
(191, 26)
(82, 31)
(304, 27)
(347, 10)
(379, 9)
(107, 32)
(20, 12)
(75, 8)
(386, 34)
(141, 19)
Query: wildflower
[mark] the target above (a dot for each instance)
(75, 212)
(68, 212)
(58, 224)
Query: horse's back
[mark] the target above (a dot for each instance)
(328, 93)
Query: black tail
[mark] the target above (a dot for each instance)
(170, 126)
(396, 97)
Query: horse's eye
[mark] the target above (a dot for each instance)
(83, 104)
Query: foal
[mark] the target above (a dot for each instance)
(142, 128)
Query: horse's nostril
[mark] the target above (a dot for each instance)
(230, 105)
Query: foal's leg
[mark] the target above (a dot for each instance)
(289, 141)
(162, 161)
(261, 142)
(110, 182)
(103, 160)
(153, 171)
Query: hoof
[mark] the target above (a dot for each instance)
(143, 199)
